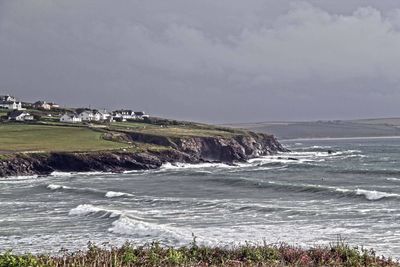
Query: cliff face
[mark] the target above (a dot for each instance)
(188, 150)
(239, 148)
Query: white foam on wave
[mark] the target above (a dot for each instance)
(69, 174)
(134, 226)
(18, 178)
(320, 147)
(133, 171)
(299, 157)
(61, 174)
(113, 194)
(142, 229)
(393, 179)
(283, 158)
(108, 194)
(178, 166)
(56, 187)
(369, 194)
(86, 209)
(374, 195)
(21, 179)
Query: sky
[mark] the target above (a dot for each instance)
(217, 61)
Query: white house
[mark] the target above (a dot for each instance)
(42, 105)
(10, 102)
(124, 114)
(141, 115)
(70, 118)
(8, 98)
(104, 115)
(54, 105)
(97, 116)
(86, 115)
(19, 115)
(11, 105)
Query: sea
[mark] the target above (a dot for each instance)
(320, 193)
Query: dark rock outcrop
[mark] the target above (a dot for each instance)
(187, 150)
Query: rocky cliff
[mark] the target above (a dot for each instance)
(188, 150)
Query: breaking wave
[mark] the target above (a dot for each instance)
(306, 188)
(371, 195)
(112, 194)
(375, 195)
(70, 174)
(128, 225)
(393, 179)
(107, 194)
(179, 166)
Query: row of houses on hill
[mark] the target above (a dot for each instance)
(103, 116)
(44, 105)
(10, 102)
(18, 112)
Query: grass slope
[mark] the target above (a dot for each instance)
(53, 136)
(18, 137)
(179, 130)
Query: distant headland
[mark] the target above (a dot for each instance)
(42, 137)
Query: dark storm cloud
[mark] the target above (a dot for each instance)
(206, 60)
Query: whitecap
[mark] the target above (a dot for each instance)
(142, 229)
(178, 166)
(86, 209)
(374, 195)
(54, 186)
(61, 174)
(112, 194)
(57, 187)
(393, 179)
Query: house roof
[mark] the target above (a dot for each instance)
(140, 113)
(86, 111)
(4, 97)
(16, 113)
(124, 111)
(40, 103)
(6, 102)
(71, 115)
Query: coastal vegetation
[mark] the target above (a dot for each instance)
(44, 136)
(154, 254)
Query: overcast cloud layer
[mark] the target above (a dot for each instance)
(209, 60)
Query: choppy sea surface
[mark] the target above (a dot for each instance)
(353, 192)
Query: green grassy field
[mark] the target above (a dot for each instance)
(53, 136)
(192, 130)
(16, 137)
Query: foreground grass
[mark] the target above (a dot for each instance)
(194, 255)
(17, 137)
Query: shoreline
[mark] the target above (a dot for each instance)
(183, 150)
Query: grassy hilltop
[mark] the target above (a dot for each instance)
(49, 136)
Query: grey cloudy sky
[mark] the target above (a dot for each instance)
(208, 60)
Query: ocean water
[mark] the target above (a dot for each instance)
(353, 193)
